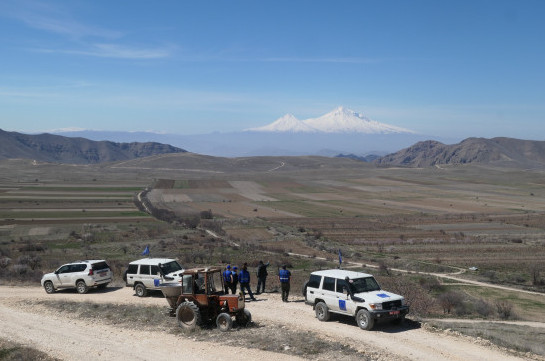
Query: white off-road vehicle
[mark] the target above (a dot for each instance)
(148, 273)
(355, 294)
(80, 275)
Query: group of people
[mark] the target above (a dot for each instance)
(232, 277)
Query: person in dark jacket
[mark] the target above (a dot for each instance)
(261, 276)
(234, 277)
(244, 279)
(284, 276)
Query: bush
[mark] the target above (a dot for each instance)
(450, 300)
(504, 309)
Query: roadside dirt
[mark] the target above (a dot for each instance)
(70, 339)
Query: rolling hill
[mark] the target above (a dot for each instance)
(497, 151)
(56, 148)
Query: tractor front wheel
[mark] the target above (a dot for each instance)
(224, 322)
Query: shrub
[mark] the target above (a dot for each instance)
(504, 309)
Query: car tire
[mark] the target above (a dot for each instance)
(188, 316)
(102, 286)
(364, 320)
(81, 287)
(224, 322)
(322, 311)
(141, 290)
(49, 288)
(304, 290)
(243, 318)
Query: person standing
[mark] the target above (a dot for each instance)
(234, 277)
(284, 277)
(244, 279)
(261, 276)
(227, 278)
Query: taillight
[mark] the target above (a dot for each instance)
(90, 272)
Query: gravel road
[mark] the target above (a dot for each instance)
(70, 339)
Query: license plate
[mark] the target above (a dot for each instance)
(102, 274)
(394, 312)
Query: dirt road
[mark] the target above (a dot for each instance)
(71, 339)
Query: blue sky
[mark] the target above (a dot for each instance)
(444, 68)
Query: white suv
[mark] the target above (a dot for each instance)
(80, 275)
(148, 273)
(355, 294)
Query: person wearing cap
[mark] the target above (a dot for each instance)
(244, 279)
(234, 277)
(227, 278)
(284, 277)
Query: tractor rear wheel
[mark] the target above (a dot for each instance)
(224, 322)
(188, 315)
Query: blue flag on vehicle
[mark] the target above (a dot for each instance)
(146, 251)
(340, 258)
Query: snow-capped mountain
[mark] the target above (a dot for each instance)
(340, 120)
(287, 123)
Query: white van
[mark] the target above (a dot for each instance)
(148, 273)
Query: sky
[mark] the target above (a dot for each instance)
(446, 68)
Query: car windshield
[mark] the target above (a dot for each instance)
(366, 284)
(170, 267)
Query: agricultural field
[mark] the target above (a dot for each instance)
(298, 211)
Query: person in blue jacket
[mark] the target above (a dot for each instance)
(284, 277)
(234, 276)
(227, 278)
(244, 280)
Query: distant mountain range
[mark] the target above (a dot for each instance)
(496, 151)
(339, 120)
(55, 148)
(339, 131)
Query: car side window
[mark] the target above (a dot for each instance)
(133, 269)
(341, 286)
(78, 268)
(314, 281)
(144, 269)
(329, 284)
(155, 270)
(64, 269)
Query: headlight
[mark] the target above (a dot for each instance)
(375, 306)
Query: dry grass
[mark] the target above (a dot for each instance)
(13, 351)
(272, 338)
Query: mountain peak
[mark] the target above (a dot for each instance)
(339, 120)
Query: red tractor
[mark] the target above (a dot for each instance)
(201, 298)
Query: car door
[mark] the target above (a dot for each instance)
(328, 294)
(346, 305)
(60, 274)
(66, 275)
(145, 275)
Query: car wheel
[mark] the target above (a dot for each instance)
(49, 288)
(224, 322)
(81, 287)
(141, 290)
(322, 311)
(364, 319)
(102, 286)
(188, 315)
(305, 290)
(243, 318)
